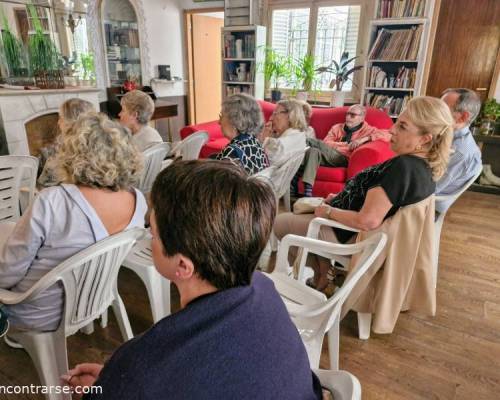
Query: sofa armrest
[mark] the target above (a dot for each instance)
(367, 155)
(212, 128)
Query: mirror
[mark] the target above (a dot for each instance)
(61, 27)
(121, 38)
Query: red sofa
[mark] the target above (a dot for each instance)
(328, 180)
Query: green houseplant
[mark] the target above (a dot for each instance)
(276, 68)
(13, 50)
(490, 116)
(341, 74)
(45, 60)
(87, 68)
(304, 75)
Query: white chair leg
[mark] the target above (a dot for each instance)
(88, 329)
(104, 319)
(364, 325)
(50, 357)
(286, 201)
(273, 240)
(333, 344)
(157, 298)
(122, 317)
(165, 283)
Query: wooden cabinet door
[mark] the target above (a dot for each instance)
(465, 47)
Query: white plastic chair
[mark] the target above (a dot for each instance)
(140, 261)
(12, 171)
(153, 157)
(438, 224)
(189, 148)
(313, 315)
(342, 384)
(89, 279)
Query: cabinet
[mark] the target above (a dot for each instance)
(399, 35)
(243, 60)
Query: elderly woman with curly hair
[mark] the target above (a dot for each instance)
(241, 121)
(421, 139)
(99, 166)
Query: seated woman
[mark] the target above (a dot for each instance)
(241, 121)
(99, 165)
(285, 132)
(137, 110)
(421, 139)
(233, 337)
(69, 112)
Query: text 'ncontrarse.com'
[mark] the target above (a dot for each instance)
(40, 389)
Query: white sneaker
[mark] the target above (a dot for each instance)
(490, 176)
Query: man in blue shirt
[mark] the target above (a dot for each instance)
(465, 159)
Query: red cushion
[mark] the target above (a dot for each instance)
(213, 146)
(367, 155)
(331, 174)
(212, 128)
(267, 108)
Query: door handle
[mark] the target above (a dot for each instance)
(481, 89)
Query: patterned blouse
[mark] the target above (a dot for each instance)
(246, 151)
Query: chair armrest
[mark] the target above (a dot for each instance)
(8, 297)
(317, 223)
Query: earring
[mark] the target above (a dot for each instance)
(418, 147)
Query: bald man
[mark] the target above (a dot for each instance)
(336, 148)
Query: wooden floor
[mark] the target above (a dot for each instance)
(455, 355)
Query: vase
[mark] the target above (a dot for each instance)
(275, 95)
(301, 95)
(337, 99)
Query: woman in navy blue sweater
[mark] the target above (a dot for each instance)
(233, 338)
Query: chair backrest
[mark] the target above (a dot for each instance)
(342, 384)
(314, 320)
(153, 156)
(12, 171)
(190, 147)
(282, 176)
(89, 279)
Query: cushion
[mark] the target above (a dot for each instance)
(213, 146)
(331, 174)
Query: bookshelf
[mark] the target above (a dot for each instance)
(242, 58)
(242, 12)
(398, 42)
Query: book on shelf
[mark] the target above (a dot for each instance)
(400, 8)
(396, 44)
(247, 46)
(230, 89)
(402, 77)
(392, 105)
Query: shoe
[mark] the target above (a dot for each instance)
(12, 343)
(490, 176)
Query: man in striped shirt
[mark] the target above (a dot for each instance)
(465, 159)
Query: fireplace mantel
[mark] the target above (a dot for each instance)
(20, 106)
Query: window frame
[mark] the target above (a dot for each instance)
(353, 96)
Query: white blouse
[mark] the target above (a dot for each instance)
(60, 223)
(279, 149)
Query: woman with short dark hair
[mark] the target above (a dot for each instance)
(232, 338)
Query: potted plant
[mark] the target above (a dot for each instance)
(13, 51)
(45, 60)
(276, 68)
(342, 74)
(490, 117)
(304, 74)
(86, 69)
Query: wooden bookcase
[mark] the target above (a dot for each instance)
(398, 48)
(252, 40)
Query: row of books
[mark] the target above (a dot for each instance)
(241, 46)
(230, 89)
(396, 44)
(122, 36)
(390, 104)
(403, 78)
(400, 8)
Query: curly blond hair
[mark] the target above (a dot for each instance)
(432, 116)
(99, 153)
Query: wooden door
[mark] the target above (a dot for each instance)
(207, 65)
(465, 47)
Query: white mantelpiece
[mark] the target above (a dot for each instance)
(17, 107)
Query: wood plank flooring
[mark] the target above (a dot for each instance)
(455, 355)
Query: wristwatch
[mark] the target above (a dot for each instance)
(329, 211)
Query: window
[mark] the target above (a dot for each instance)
(336, 29)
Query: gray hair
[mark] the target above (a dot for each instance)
(296, 117)
(141, 103)
(361, 108)
(243, 113)
(468, 101)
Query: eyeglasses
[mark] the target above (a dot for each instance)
(275, 112)
(352, 115)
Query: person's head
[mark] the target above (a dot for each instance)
(240, 114)
(306, 107)
(137, 109)
(70, 110)
(464, 104)
(288, 114)
(99, 153)
(355, 115)
(210, 223)
(425, 128)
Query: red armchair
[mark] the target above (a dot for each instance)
(328, 180)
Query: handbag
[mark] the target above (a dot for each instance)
(307, 205)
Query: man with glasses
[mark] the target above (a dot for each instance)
(336, 148)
